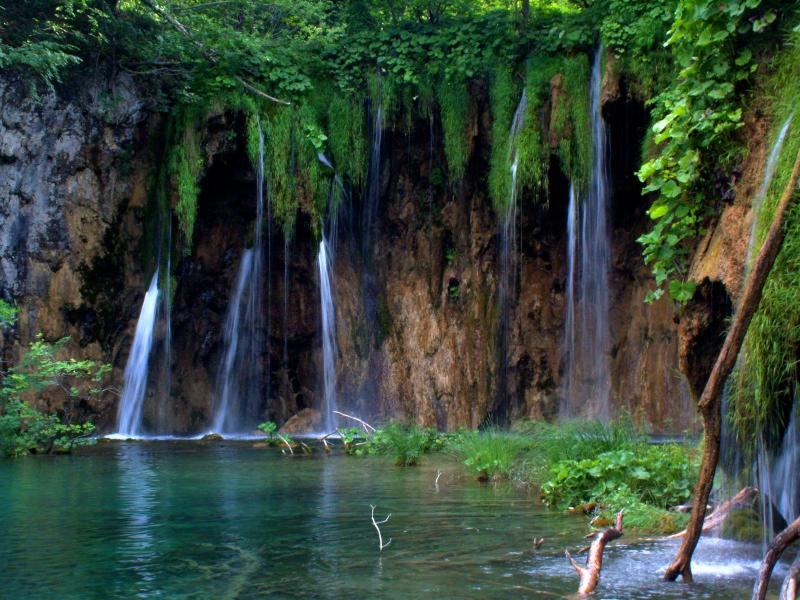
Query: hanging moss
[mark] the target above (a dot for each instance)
(572, 121)
(347, 137)
(766, 382)
(184, 164)
(454, 102)
(280, 167)
(533, 150)
(313, 186)
(504, 95)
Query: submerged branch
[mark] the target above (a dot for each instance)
(590, 574)
(375, 524)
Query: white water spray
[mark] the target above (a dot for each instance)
(588, 339)
(129, 419)
(324, 260)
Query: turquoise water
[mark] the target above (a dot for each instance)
(189, 520)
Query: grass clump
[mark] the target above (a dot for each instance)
(492, 454)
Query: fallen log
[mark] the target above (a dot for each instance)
(590, 574)
(742, 499)
(774, 552)
(791, 583)
(709, 404)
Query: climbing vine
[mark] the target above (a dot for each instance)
(696, 119)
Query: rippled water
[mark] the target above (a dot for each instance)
(189, 520)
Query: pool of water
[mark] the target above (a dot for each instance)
(224, 520)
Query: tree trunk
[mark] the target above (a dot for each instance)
(773, 555)
(791, 583)
(709, 403)
(590, 574)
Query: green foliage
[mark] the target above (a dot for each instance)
(635, 33)
(8, 314)
(454, 102)
(25, 429)
(269, 428)
(695, 121)
(406, 443)
(661, 476)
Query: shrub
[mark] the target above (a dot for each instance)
(657, 475)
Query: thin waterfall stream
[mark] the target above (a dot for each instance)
(237, 400)
(328, 312)
(129, 419)
(587, 334)
(508, 249)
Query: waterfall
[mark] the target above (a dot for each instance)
(237, 401)
(588, 339)
(370, 212)
(328, 334)
(772, 473)
(508, 250)
(766, 181)
(129, 420)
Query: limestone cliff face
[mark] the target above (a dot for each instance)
(73, 192)
(73, 174)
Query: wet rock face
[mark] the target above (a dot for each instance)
(71, 178)
(73, 189)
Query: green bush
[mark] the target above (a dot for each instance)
(657, 475)
(25, 429)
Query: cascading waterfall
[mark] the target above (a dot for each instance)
(766, 181)
(325, 262)
(129, 419)
(777, 487)
(508, 249)
(238, 395)
(587, 334)
(370, 211)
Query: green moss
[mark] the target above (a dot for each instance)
(185, 163)
(454, 102)
(766, 383)
(572, 120)
(347, 137)
(280, 159)
(504, 96)
(533, 150)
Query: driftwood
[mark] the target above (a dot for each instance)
(209, 55)
(791, 583)
(773, 555)
(286, 442)
(709, 404)
(716, 518)
(594, 562)
(367, 427)
(375, 524)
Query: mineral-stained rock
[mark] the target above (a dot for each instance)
(306, 421)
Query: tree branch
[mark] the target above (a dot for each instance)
(208, 54)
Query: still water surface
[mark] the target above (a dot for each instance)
(190, 520)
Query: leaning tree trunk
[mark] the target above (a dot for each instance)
(590, 574)
(792, 582)
(773, 555)
(709, 404)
